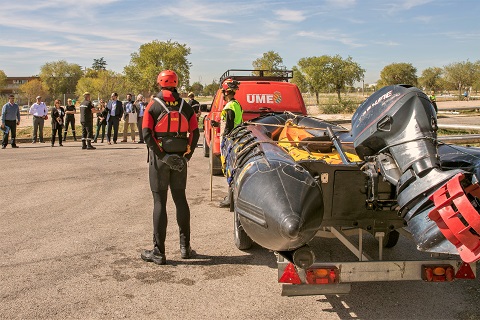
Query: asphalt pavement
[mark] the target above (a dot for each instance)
(73, 224)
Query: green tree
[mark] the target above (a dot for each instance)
(211, 89)
(196, 88)
(311, 69)
(342, 73)
(33, 88)
(476, 83)
(270, 60)
(398, 73)
(60, 77)
(3, 79)
(299, 79)
(153, 57)
(99, 64)
(103, 85)
(319, 73)
(462, 74)
(88, 84)
(431, 78)
(91, 73)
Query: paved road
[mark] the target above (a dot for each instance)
(73, 223)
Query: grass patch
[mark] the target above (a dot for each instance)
(27, 132)
(328, 102)
(458, 132)
(334, 106)
(455, 132)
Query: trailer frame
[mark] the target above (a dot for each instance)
(366, 269)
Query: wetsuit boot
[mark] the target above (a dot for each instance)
(185, 249)
(185, 252)
(84, 144)
(227, 201)
(156, 255)
(89, 145)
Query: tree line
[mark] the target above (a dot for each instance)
(315, 75)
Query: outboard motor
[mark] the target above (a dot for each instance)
(396, 128)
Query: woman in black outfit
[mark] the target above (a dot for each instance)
(57, 115)
(101, 121)
(70, 111)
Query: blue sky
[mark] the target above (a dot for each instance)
(231, 34)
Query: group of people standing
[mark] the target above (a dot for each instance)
(109, 116)
(60, 118)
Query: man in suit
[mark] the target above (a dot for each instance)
(114, 115)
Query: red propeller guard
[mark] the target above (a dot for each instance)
(457, 218)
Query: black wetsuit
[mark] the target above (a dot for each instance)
(161, 176)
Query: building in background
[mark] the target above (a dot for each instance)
(13, 87)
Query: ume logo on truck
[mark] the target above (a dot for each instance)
(276, 97)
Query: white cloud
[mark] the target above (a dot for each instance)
(290, 15)
(405, 5)
(466, 36)
(423, 19)
(408, 4)
(341, 3)
(333, 36)
(386, 43)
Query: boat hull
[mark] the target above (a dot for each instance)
(278, 202)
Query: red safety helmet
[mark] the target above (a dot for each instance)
(230, 85)
(167, 79)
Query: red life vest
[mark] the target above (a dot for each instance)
(171, 129)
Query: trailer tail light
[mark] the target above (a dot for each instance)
(290, 275)
(438, 273)
(465, 272)
(326, 275)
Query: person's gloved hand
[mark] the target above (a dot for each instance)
(174, 161)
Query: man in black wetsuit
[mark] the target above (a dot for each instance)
(168, 156)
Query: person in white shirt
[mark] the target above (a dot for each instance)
(140, 106)
(39, 111)
(128, 108)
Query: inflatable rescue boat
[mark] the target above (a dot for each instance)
(291, 175)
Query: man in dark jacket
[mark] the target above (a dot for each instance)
(114, 115)
(169, 168)
(86, 119)
(195, 104)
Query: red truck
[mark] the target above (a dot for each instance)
(261, 92)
